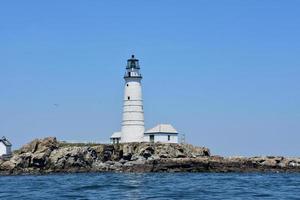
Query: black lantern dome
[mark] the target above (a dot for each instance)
(133, 68)
(133, 63)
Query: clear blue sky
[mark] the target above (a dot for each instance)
(225, 73)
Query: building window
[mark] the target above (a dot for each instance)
(128, 97)
(169, 138)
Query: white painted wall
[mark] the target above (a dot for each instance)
(133, 114)
(2, 149)
(163, 137)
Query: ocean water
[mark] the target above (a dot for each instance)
(152, 186)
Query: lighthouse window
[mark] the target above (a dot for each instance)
(128, 98)
(127, 85)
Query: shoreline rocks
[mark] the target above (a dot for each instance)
(43, 156)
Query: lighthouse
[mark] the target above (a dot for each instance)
(133, 126)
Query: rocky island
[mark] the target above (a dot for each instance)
(43, 156)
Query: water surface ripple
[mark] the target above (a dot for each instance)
(152, 186)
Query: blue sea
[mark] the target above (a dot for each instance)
(152, 186)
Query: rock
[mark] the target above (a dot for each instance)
(30, 147)
(149, 149)
(43, 145)
(295, 162)
(22, 161)
(99, 149)
(154, 157)
(269, 163)
(1, 161)
(110, 162)
(49, 155)
(137, 157)
(146, 154)
(127, 156)
(39, 160)
(100, 166)
(73, 157)
(122, 161)
(7, 166)
(164, 155)
(108, 152)
(117, 165)
(47, 145)
(132, 163)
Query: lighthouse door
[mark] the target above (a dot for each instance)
(151, 138)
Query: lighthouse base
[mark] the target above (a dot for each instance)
(132, 134)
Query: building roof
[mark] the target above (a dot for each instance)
(162, 128)
(116, 135)
(5, 141)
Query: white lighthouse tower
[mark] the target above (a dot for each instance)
(133, 127)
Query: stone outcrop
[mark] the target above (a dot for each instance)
(49, 155)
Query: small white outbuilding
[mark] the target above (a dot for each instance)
(5, 147)
(164, 133)
(115, 138)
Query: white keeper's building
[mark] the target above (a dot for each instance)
(133, 125)
(161, 133)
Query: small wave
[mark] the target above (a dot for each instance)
(90, 187)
